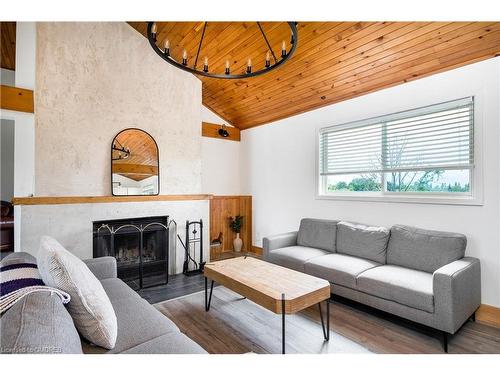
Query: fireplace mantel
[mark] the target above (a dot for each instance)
(30, 201)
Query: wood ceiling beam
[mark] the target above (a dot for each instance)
(134, 169)
(212, 131)
(16, 99)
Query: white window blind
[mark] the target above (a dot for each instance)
(435, 137)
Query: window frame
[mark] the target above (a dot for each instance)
(473, 197)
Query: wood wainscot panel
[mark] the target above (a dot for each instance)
(221, 209)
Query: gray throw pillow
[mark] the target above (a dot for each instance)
(90, 306)
(422, 249)
(363, 241)
(317, 233)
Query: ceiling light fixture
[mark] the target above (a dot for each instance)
(182, 63)
(223, 131)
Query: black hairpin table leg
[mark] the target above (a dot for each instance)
(283, 323)
(326, 332)
(208, 299)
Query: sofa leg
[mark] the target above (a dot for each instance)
(445, 342)
(473, 317)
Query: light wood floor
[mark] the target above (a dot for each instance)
(234, 325)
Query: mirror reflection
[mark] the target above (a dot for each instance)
(134, 163)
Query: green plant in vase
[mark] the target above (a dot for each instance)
(235, 223)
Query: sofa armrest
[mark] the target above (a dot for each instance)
(103, 267)
(278, 241)
(457, 292)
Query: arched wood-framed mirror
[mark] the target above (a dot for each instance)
(135, 166)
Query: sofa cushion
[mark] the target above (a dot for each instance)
(338, 268)
(138, 322)
(294, 257)
(171, 343)
(402, 285)
(317, 233)
(424, 250)
(89, 306)
(362, 241)
(38, 323)
(116, 289)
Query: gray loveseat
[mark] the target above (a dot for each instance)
(39, 323)
(417, 274)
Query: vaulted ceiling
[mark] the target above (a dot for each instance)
(334, 61)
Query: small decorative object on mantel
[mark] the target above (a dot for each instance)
(235, 225)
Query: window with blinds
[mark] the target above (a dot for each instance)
(427, 149)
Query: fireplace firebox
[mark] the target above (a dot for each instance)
(140, 246)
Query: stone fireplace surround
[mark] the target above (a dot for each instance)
(69, 220)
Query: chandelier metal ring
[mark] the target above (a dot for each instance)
(285, 56)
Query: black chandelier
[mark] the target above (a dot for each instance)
(122, 152)
(204, 71)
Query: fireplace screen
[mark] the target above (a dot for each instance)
(140, 246)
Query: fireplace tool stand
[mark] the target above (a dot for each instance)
(193, 241)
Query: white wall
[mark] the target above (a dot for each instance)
(7, 77)
(7, 159)
(220, 160)
(278, 167)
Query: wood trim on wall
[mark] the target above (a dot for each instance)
(16, 99)
(108, 199)
(257, 250)
(211, 130)
(489, 315)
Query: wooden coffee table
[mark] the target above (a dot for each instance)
(278, 289)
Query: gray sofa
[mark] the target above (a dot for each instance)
(417, 274)
(39, 323)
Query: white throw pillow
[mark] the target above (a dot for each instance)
(90, 306)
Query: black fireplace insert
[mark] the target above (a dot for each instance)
(140, 246)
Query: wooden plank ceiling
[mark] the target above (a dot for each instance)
(8, 45)
(334, 61)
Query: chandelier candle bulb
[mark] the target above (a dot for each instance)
(249, 66)
(283, 49)
(153, 30)
(227, 67)
(166, 46)
(268, 60)
(205, 65)
(184, 57)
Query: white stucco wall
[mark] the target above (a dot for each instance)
(278, 167)
(95, 79)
